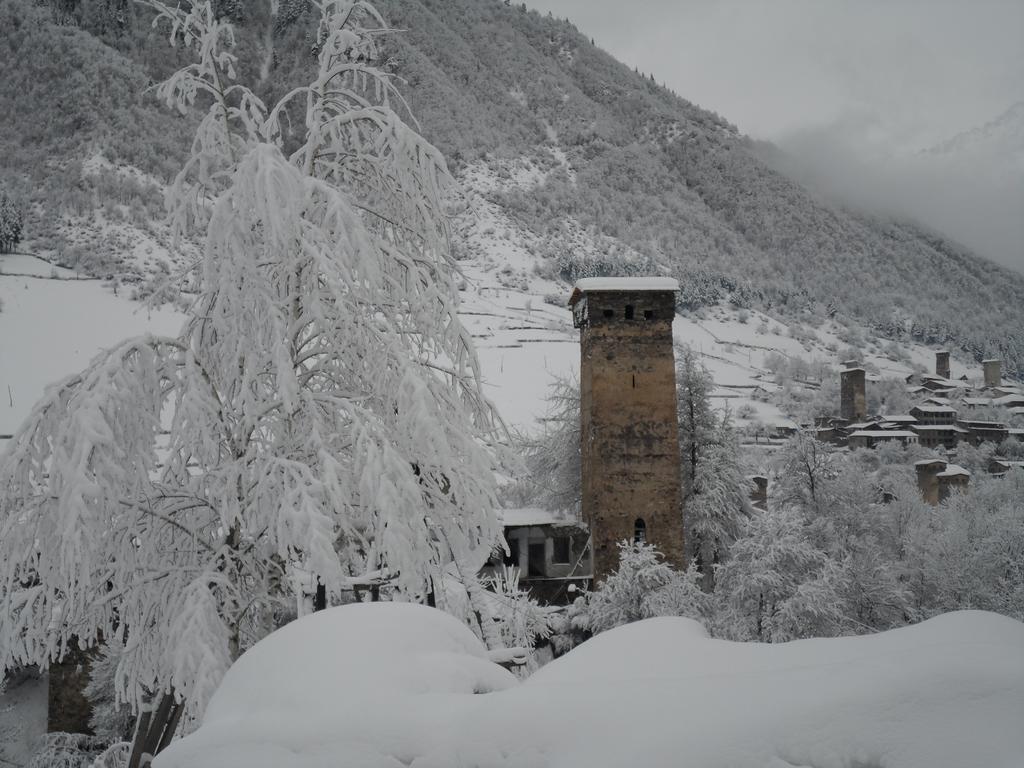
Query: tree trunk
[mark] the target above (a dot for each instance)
(154, 730)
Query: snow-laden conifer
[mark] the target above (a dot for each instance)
(320, 409)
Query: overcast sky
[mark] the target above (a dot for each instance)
(876, 79)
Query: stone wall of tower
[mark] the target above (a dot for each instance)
(629, 425)
(852, 394)
(928, 480)
(993, 372)
(942, 364)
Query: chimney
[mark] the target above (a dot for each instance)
(853, 400)
(942, 364)
(993, 372)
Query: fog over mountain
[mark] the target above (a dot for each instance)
(854, 97)
(970, 186)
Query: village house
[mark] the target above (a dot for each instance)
(939, 435)
(934, 414)
(869, 438)
(979, 432)
(937, 479)
(550, 550)
(1000, 467)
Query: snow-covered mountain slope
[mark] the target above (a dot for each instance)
(52, 323)
(628, 172)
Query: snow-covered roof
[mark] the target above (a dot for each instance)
(977, 401)
(904, 418)
(884, 433)
(1008, 399)
(586, 284)
(937, 428)
(954, 470)
(863, 425)
(934, 408)
(532, 516)
(929, 462)
(1009, 464)
(991, 360)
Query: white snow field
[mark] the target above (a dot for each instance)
(52, 325)
(387, 685)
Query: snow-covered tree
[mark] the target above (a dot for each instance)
(714, 490)
(321, 406)
(552, 457)
(823, 561)
(777, 585)
(643, 586)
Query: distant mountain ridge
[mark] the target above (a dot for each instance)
(1003, 135)
(656, 184)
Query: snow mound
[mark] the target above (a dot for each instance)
(377, 686)
(360, 685)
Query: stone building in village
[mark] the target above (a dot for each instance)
(628, 421)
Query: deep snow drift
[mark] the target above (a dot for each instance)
(386, 685)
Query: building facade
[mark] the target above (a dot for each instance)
(631, 487)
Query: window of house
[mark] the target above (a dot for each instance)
(560, 551)
(648, 314)
(609, 312)
(639, 531)
(629, 311)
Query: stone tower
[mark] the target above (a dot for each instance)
(993, 372)
(853, 403)
(942, 364)
(628, 421)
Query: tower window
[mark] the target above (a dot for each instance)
(639, 531)
(629, 311)
(648, 314)
(560, 550)
(609, 313)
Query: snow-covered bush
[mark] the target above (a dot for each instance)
(643, 586)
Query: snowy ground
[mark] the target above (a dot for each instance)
(384, 685)
(52, 325)
(22, 719)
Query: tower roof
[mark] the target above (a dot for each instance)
(625, 284)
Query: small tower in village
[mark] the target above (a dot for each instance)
(993, 373)
(628, 421)
(853, 403)
(942, 363)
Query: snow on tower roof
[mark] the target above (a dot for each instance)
(954, 470)
(627, 284)
(592, 284)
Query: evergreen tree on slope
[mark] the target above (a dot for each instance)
(714, 490)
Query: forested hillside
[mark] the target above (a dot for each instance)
(665, 186)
